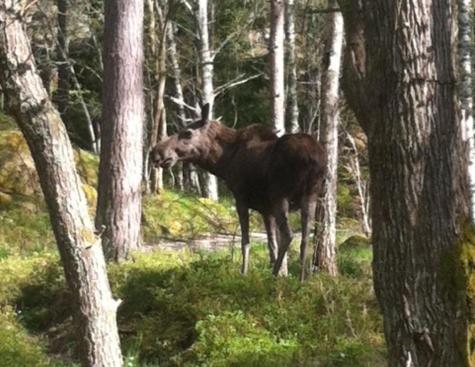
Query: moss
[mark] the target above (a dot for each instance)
(17, 170)
(18, 177)
(6, 122)
(466, 282)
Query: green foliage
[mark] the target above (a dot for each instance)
(17, 348)
(178, 216)
(30, 291)
(197, 310)
(355, 256)
(24, 229)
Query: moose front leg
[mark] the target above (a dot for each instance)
(271, 230)
(243, 213)
(282, 219)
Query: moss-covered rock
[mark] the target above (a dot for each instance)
(18, 177)
(17, 171)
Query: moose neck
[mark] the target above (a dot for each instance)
(222, 142)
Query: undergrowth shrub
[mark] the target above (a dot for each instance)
(183, 309)
(17, 348)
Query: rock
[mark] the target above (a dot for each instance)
(18, 177)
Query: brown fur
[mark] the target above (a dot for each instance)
(269, 174)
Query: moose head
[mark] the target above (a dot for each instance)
(188, 144)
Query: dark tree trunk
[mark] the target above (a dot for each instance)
(79, 247)
(120, 170)
(399, 78)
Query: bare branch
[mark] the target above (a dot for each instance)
(235, 82)
(184, 104)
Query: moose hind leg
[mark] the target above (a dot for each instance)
(272, 244)
(285, 238)
(243, 213)
(307, 210)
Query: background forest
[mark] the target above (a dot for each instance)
(184, 302)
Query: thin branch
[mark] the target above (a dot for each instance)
(184, 104)
(235, 82)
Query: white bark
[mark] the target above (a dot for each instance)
(190, 177)
(207, 71)
(362, 186)
(173, 56)
(277, 65)
(292, 85)
(465, 59)
(326, 241)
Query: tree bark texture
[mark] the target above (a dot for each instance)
(399, 78)
(277, 65)
(120, 170)
(207, 71)
(292, 96)
(79, 247)
(325, 257)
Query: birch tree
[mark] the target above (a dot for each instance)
(277, 65)
(207, 70)
(466, 91)
(120, 170)
(79, 247)
(399, 79)
(292, 101)
(325, 256)
(187, 175)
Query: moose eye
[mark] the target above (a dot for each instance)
(186, 134)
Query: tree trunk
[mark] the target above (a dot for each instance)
(79, 247)
(399, 78)
(361, 186)
(277, 65)
(466, 92)
(158, 53)
(292, 65)
(120, 169)
(187, 176)
(325, 257)
(62, 93)
(207, 70)
(173, 56)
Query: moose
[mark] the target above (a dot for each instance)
(270, 174)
